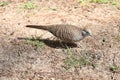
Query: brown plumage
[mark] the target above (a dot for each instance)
(67, 33)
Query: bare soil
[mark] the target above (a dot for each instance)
(21, 61)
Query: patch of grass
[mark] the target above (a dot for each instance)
(73, 60)
(114, 68)
(100, 1)
(94, 66)
(84, 60)
(84, 2)
(36, 43)
(4, 3)
(118, 37)
(112, 2)
(54, 8)
(29, 5)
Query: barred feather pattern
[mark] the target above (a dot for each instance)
(67, 33)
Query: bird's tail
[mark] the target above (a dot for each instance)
(38, 27)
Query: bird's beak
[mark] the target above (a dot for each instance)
(91, 35)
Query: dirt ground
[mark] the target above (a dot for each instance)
(22, 61)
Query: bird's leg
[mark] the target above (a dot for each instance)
(57, 40)
(69, 44)
(62, 44)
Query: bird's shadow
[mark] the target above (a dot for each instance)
(52, 43)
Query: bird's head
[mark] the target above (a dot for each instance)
(86, 32)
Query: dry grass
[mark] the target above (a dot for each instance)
(95, 59)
